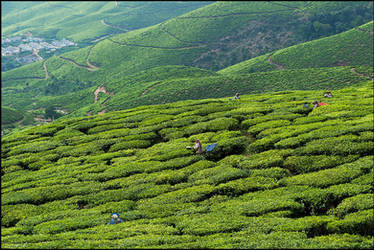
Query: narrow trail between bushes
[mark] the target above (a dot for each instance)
(31, 77)
(77, 64)
(177, 38)
(155, 47)
(89, 66)
(113, 26)
(149, 88)
(360, 74)
(45, 70)
(93, 67)
(233, 14)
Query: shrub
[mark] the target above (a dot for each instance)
(129, 145)
(311, 225)
(213, 125)
(267, 159)
(323, 178)
(340, 241)
(11, 214)
(227, 147)
(244, 185)
(191, 194)
(354, 204)
(274, 172)
(216, 175)
(68, 224)
(305, 164)
(361, 222)
(367, 179)
(258, 127)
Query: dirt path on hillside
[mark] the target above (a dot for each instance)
(155, 47)
(177, 38)
(45, 69)
(92, 66)
(76, 64)
(273, 63)
(233, 14)
(284, 5)
(31, 77)
(100, 38)
(366, 31)
(359, 74)
(89, 66)
(113, 26)
(149, 88)
(96, 93)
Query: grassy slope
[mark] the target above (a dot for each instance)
(9, 115)
(281, 176)
(81, 21)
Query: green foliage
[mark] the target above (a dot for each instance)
(353, 204)
(359, 222)
(341, 174)
(61, 181)
(9, 115)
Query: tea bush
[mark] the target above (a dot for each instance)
(305, 164)
(213, 125)
(298, 180)
(353, 204)
(323, 178)
(244, 185)
(360, 222)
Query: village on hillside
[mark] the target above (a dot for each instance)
(17, 47)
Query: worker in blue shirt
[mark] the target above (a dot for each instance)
(115, 219)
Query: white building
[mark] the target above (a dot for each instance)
(25, 47)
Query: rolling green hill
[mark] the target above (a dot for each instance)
(353, 47)
(207, 38)
(281, 176)
(83, 21)
(9, 115)
(172, 83)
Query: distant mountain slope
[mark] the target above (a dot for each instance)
(281, 176)
(353, 47)
(86, 21)
(9, 115)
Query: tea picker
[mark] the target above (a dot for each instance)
(115, 219)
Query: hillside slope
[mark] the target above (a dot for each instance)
(188, 40)
(164, 84)
(281, 176)
(353, 47)
(85, 22)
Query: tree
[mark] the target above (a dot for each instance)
(51, 113)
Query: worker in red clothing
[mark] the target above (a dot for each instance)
(318, 104)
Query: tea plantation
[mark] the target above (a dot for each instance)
(281, 176)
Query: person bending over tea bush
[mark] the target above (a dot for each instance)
(198, 147)
(115, 219)
(318, 104)
(327, 94)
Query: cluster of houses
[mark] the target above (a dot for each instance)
(28, 43)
